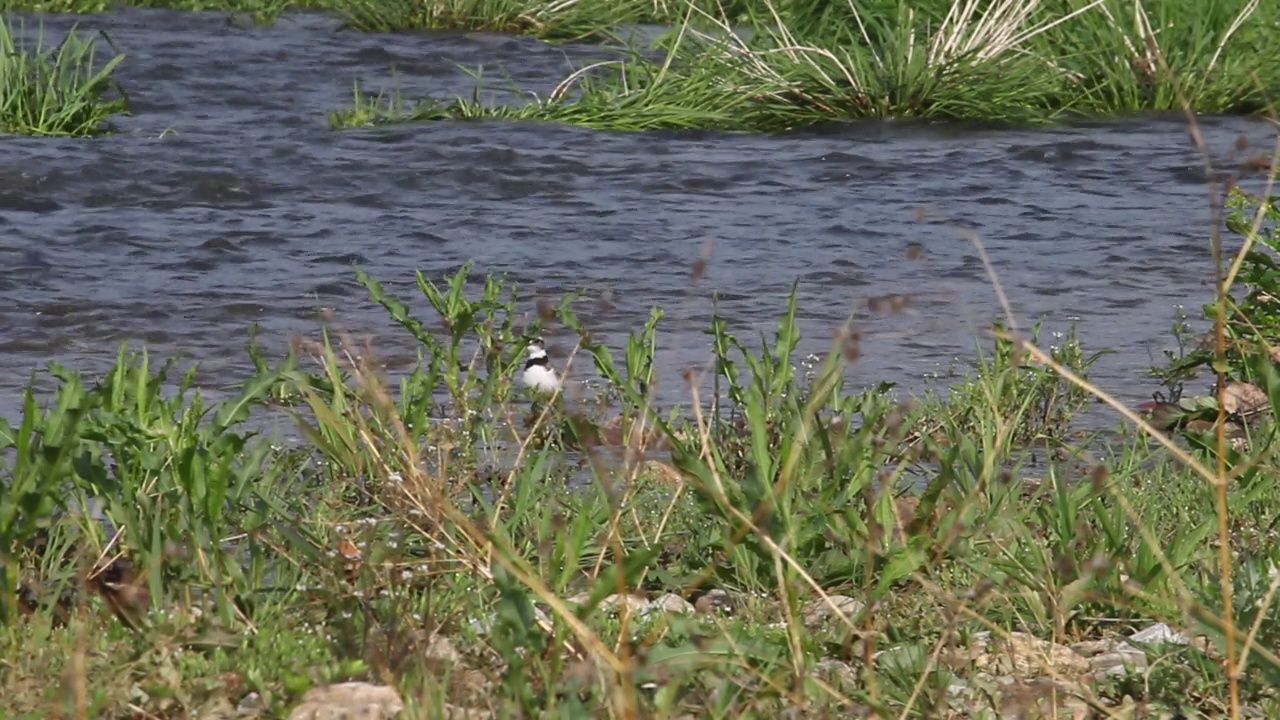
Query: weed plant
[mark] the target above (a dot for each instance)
(58, 91)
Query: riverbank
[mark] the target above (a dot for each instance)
(788, 65)
(456, 548)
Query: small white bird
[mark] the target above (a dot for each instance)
(538, 373)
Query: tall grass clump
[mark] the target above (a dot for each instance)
(564, 20)
(1127, 56)
(58, 91)
(612, 95)
(778, 64)
(973, 62)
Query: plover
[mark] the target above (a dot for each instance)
(538, 373)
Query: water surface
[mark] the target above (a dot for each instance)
(226, 200)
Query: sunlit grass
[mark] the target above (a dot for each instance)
(607, 96)
(560, 20)
(780, 64)
(1133, 56)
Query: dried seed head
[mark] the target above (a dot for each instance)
(605, 301)
(984, 586)
(1258, 162)
(888, 304)
(699, 269)
(1097, 564)
(1098, 477)
(700, 264)
(690, 375)
(546, 310)
(1065, 566)
(850, 343)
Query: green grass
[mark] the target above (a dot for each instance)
(262, 10)
(608, 96)
(559, 20)
(802, 63)
(56, 91)
(436, 533)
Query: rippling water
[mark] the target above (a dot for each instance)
(226, 200)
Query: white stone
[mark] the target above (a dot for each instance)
(1160, 634)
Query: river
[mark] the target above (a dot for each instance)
(226, 200)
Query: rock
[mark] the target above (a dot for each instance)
(838, 674)
(1160, 634)
(1089, 648)
(670, 602)
(1111, 657)
(615, 602)
(1118, 661)
(440, 649)
(715, 601)
(349, 701)
(1043, 698)
(1243, 398)
(1004, 697)
(1024, 656)
(819, 611)
(470, 686)
(610, 603)
(957, 688)
(251, 705)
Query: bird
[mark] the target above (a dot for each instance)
(538, 373)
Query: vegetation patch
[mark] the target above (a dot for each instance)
(780, 64)
(57, 91)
